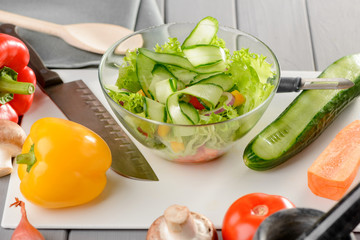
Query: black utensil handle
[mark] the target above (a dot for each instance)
(44, 76)
(289, 84)
(340, 221)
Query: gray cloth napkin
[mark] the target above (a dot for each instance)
(132, 14)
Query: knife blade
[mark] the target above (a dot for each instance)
(295, 84)
(80, 105)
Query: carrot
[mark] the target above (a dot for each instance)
(334, 170)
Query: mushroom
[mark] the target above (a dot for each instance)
(12, 137)
(178, 223)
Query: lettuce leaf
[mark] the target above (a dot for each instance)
(127, 77)
(171, 46)
(133, 102)
(250, 73)
(221, 43)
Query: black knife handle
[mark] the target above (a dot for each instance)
(44, 76)
(339, 221)
(289, 84)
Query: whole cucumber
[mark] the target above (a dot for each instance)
(311, 112)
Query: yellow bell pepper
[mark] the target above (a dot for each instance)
(62, 164)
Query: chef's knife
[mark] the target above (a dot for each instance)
(295, 84)
(80, 105)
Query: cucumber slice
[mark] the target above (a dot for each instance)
(202, 55)
(207, 92)
(184, 75)
(179, 114)
(144, 68)
(165, 88)
(154, 110)
(212, 68)
(203, 33)
(304, 119)
(202, 76)
(221, 79)
(176, 115)
(166, 58)
(176, 60)
(159, 73)
(190, 112)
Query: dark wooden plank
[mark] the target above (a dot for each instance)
(334, 29)
(283, 26)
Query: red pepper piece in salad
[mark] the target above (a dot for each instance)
(196, 103)
(17, 80)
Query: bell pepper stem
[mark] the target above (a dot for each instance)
(9, 83)
(27, 158)
(10, 86)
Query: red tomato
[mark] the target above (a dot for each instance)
(195, 102)
(246, 214)
(8, 113)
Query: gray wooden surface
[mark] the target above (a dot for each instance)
(305, 35)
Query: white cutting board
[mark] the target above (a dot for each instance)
(208, 188)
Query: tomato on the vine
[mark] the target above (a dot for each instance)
(246, 214)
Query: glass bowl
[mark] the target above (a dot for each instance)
(185, 143)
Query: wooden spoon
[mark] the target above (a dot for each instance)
(92, 37)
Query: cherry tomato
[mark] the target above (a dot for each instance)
(246, 214)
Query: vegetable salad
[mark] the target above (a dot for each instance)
(197, 82)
